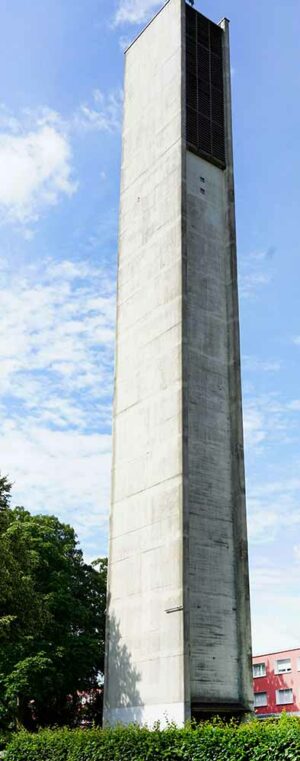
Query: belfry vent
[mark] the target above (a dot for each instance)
(205, 130)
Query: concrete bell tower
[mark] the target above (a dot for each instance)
(178, 630)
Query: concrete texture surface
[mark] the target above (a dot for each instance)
(146, 518)
(178, 631)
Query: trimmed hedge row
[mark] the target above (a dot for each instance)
(254, 741)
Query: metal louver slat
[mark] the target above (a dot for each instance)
(215, 39)
(204, 103)
(192, 95)
(192, 126)
(217, 113)
(204, 87)
(216, 71)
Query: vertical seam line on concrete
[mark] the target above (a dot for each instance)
(184, 359)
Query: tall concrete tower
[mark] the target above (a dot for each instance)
(178, 633)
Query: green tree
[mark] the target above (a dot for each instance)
(52, 618)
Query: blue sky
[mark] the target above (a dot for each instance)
(61, 71)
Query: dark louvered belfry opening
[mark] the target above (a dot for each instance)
(204, 87)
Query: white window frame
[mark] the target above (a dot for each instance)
(262, 663)
(281, 669)
(263, 704)
(280, 693)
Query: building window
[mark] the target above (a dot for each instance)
(283, 666)
(298, 664)
(283, 697)
(259, 669)
(260, 699)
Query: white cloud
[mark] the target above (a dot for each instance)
(277, 487)
(275, 605)
(61, 322)
(254, 427)
(266, 418)
(56, 352)
(273, 508)
(124, 42)
(249, 283)
(59, 472)
(269, 418)
(271, 445)
(267, 520)
(263, 255)
(35, 170)
(36, 162)
(255, 272)
(253, 364)
(104, 115)
(135, 11)
(294, 405)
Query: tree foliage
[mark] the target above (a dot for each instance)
(52, 618)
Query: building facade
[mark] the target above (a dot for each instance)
(178, 626)
(276, 683)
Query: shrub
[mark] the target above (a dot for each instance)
(253, 741)
(5, 737)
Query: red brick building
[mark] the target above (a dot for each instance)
(276, 683)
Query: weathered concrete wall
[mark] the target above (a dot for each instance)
(178, 538)
(213, 616)
(145, 674)
(216, 557)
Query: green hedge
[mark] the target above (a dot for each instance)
(254, 741)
